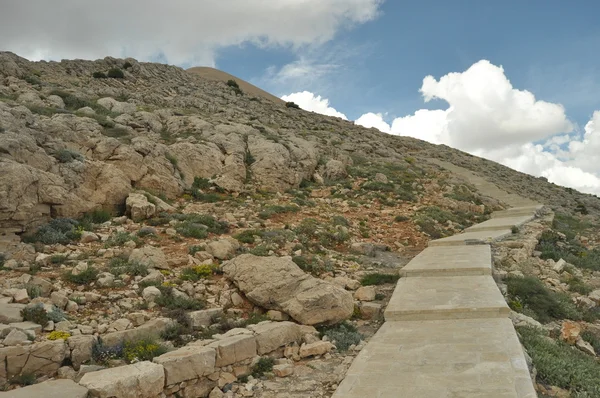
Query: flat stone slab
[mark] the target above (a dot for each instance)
(467, 358)
(62, 388)
(447, 297)
(517, 211)
(501, 223)
(472, 238)
(450, 261)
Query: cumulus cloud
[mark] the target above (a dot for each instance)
(311, 102)
(180, 31)
(488, 117)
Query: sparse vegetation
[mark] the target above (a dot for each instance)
(291, 104)
(59, 230)
(561, 365)
(67, 156)
(379, 279)
(264, 365)
(84, 277)
(120, 266)
(196, 273)
(115, 73)
(343, 335)
(99, 75)
(36, 314)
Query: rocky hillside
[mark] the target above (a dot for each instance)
(138, 197)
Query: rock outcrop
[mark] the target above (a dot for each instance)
(278, 284)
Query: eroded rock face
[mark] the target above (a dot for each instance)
(41, 358)
(277, 283)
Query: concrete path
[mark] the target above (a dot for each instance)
(447, 333)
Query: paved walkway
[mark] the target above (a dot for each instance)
(447, 333)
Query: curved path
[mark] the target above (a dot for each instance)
(447, 333)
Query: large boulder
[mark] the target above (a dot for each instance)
(277, 283)
(42, 358)
(138, 380)
(152, 257)
(187, 363)
(139, 207)
(61, 388)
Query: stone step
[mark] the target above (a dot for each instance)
(447, 297)
(472, 238)
(504, 223)
(517, 211)
(466, 358)
(62, 388)
(450, 261)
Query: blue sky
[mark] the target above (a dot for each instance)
(512, 81)
(548, 47)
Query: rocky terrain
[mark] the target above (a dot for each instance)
(145, 210)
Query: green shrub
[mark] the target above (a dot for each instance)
(33, 291)
(120, 266)
(232, 83)
(99, 216)
(401, 218)
(196, 273)
(264, 365)
(248, 236)
(195, 249)
(206, 222)
(192, 230)
(577, 285)
(83, 278)
(313, 264)
(120, 238)
(379, 279)
(58, 259)
(59, 230)
(171, 302)
(67, 156)
(593, 339)
(291, 104)
(536, 300)
(115, 73)
(36, 314)
(56, 315)
(99, 75)
(269, 211)
(142, 350)
(102, 353)
(561, 365)
(2, 259)
(127, 65)
(24, 379)
(343, 335)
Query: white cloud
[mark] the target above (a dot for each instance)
(370, 119)
(488, 117)
(308, 101)
(181, 31)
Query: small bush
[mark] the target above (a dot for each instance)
(192, 230)
(343, 335)
(56, 315)
(127, 65)
(171, 302)
(142, 350)
(33, 291)
(67, 156)
(401, 218)
(58, 259)
(2, 259)
(232, 83)
(379, 279)
(196, 273)
(195, 249)
(59, 230)
(291, 104)
(270, 211)
(201, 221)
(248, 236)
(83, 278)
(101, 353)
(120, 266)
(115, 73)
(99, 75)
(58, 335)
(264, 365)
(119, 239)
(530, 296)
(36, 314)
(24, 379)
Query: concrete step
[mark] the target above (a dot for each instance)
(466, 358)
(517, 211)
(501, 223)
(472, 238)
(450, 261)
(447, 297)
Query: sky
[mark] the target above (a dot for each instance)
(515, 81)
